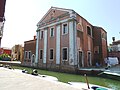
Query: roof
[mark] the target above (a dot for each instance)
(100, 28)
(116, 42)
(30, 41)
(55, 8)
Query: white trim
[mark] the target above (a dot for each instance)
(32, 59)
(71, 43)
(45, 47)
(53, 31)
(26, 55)
(54, 8)
(82, 58)
(103, 36)
(62, 9)
(49, 54)
(30, 54)
(62, 53)
(81, 26)
(58, 44)
(62, 21)
(63, 28)
(75, 43)
(37, 46)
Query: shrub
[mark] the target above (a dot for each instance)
(5, 57)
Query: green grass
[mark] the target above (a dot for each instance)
(64, 77)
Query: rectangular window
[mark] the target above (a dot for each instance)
(41, 34)
(41, 54)
(65, 29)
(51, 54)
(96, 50)
(64, 53)
(51, 32)
(25, 54)
(29, 55)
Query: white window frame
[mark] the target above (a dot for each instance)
(81, 26)
(103, 35)
(53, 31)
(62, 53)
(40, 54)
(90, 30)
(41, 34)
(32, 59)
(90, 58)
(53, 54)
(26, 55)
(29, 52)
(63, 28)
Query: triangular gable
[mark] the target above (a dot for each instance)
(54, 12)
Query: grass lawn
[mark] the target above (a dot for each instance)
(64, 77)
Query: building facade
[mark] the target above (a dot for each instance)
(17, 53)
(66, 41)
(5, 51)
(100, 45)
(29, 52)
(114, 50)
(2, 18)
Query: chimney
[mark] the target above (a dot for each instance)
(34, 37)
(113, 38)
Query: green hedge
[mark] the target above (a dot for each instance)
(5, 57)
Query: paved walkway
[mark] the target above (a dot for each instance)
(115, 69)
(12, 80)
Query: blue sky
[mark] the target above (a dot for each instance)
(23, 15)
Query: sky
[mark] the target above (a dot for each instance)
(22, 17)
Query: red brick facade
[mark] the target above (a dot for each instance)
(66, 41)
(29, 52)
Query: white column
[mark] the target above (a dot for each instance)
(58, 44)
(75, 43)
(37, 47)
(72, 43)
(45, 46)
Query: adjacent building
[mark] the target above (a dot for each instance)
(114, 49)
(5, 50)
(66, 41)
(29, 52)
(17, 53)
(2, 18)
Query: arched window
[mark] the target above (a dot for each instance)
(89, 30)
(79, 27)
(104, 36)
